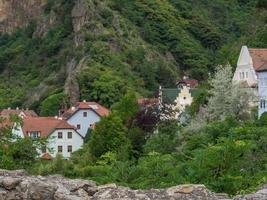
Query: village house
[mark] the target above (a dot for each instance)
(250, 73)
(84, 115)
(62, 138)
(180, 97)
(20, 112)
(249, 61)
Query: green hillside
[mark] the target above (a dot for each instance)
(124, 45)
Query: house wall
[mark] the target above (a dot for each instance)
(53, 142)
(85, 122)
(262, 90)
(183, 99)
(17, 130)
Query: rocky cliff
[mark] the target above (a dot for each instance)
(17, 13)
(18, 185)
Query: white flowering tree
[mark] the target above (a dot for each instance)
(226, 97)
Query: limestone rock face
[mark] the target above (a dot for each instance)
(17, 185)
(17, 13)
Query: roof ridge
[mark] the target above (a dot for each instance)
(257, 48)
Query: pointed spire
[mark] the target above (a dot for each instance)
(244, 56)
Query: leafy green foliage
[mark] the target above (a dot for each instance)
(15, 152)
(109, 135)
(51, 105)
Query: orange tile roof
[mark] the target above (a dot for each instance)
(28, 113)
(97, 108)
(191, 82)
(259, 58)
(6, 123)
(148, 101)
(44, 125)
(46, 156)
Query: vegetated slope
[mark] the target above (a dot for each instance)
(97, 50)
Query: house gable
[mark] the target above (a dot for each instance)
(84, 121)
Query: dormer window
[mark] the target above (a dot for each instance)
(34, 134)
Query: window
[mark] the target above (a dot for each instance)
(243, 75)
(78, 126)
(59, 135)
(59, 149)
(44, 149)
(34, 134)
(246, 74)
(262, 103)
(240, 75)
(69, 148)
(85, 114)
(69, 135)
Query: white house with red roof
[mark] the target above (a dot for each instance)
(84, 115)
(20, 112)
(251, 72)
(249, 61)
(62, 138)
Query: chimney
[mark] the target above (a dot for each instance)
(84, 101)
(17, 108)
(56, 117)
(72, 108)
(9, 108)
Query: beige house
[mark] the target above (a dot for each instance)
(178, 98)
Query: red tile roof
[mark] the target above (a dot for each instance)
(44, 125)
(259, 58)
(97, 108)
(191, 82)
(5, 123)
(28, 113)
(148, 102)
(46, 156)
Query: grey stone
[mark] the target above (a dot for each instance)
(17, 185)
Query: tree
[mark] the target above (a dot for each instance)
(165, 140)
(226, 98)
(51, 105)
(108, 89)
(16, 153)
(127, 107)
(109, 135)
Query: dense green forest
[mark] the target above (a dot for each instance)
(127, 44)
(124, 51)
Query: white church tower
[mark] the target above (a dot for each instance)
(245, 73)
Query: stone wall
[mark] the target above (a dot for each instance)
(18, 185)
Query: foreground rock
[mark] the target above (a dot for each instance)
(18, 185)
